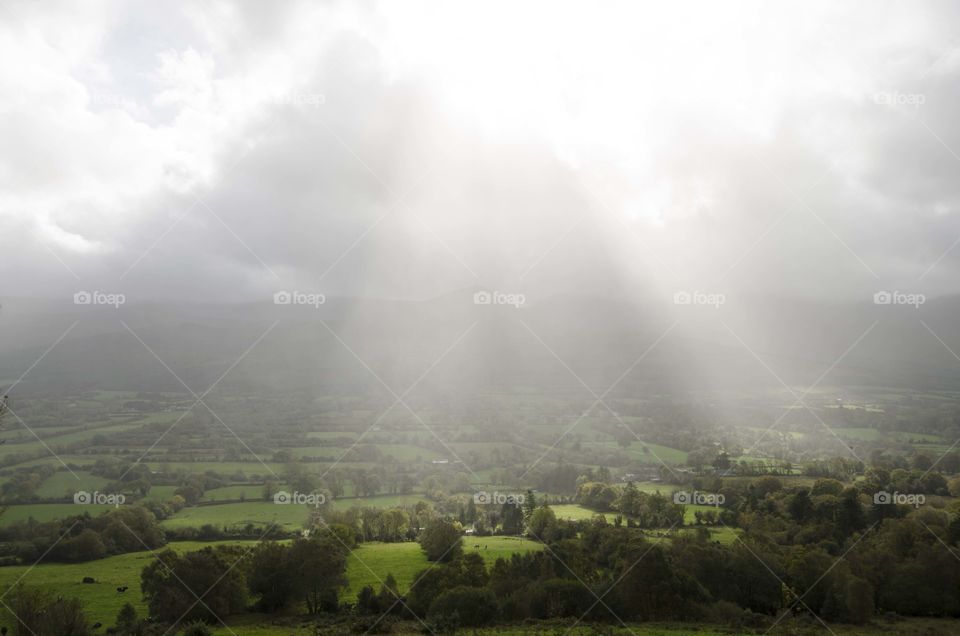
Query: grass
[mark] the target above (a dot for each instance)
(379, 501)
(62, 483)
(368, 564)
(48, 512)
(576, 512)
(101, 601)
(257, 512)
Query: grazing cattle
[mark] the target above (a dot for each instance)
(123, 589)
(476, 546)
(89, 579)
(3, 631)
(97, 625)
(486, 547)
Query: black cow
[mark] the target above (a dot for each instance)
(89, 579)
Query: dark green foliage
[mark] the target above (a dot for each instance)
(441, 540)
(473, 606)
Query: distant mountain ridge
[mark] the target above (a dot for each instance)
(697, 347)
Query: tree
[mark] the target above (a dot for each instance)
(269, 576)
(168, 585)
(128, 623)
(318, 569)
(800, 506)
(38, 613)
(474, 606)
(441, 541)
(197, 629)
(859, 600)
(542, 520)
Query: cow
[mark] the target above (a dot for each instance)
(89, 579)
(123, 589)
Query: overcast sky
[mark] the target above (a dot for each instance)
(222, 151)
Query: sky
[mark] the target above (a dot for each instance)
(222, 151)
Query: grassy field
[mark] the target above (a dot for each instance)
(48, 512)
(577, 512)
(378, 501)
(63, 483)
(100, 600)
(369, 564)
(257, 512)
